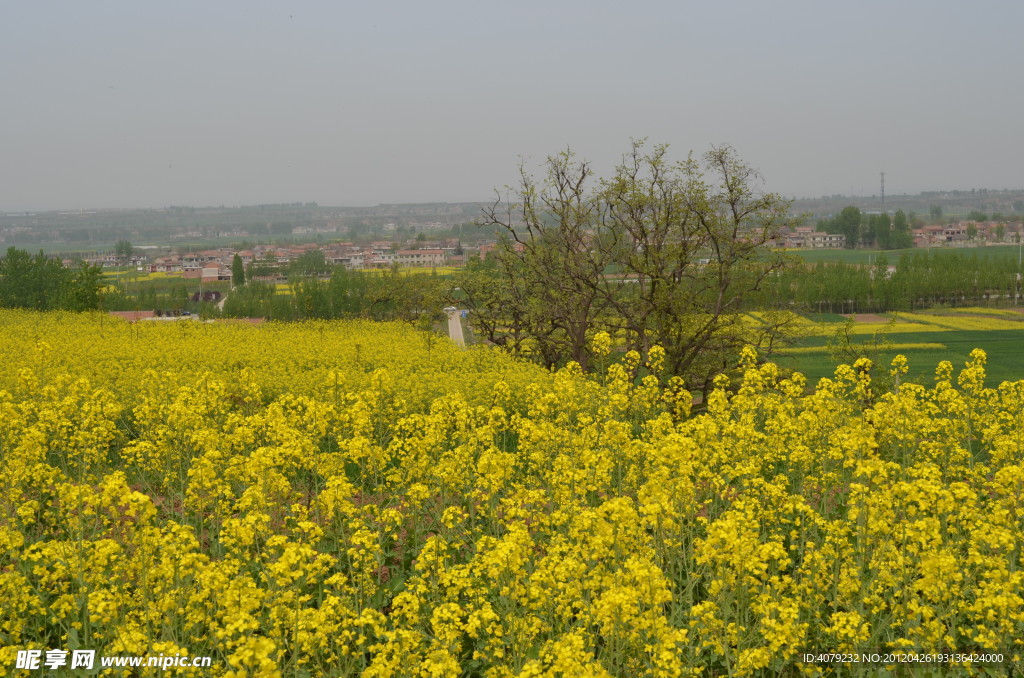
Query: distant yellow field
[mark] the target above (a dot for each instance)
(762, 317)
(1008, 313)
(137, 276)
(439, 270)
(861, 329)
(964, 323)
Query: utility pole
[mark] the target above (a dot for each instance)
(1020, 244)
(883, 194)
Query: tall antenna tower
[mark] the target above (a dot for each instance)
(883, 193)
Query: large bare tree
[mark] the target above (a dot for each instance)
(659, 253)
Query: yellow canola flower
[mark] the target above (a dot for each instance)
(335, 499)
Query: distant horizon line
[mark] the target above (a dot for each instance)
(313, 203)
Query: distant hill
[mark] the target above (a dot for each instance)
(953, 203)
(90, 229)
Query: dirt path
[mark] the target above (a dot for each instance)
(455, 327)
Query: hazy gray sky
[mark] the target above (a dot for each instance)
(139, 104)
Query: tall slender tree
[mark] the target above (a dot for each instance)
(237, 271)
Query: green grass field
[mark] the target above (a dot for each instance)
(1005, 349)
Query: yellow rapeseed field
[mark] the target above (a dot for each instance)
(965, 323)
(1008, 313)
(880, 329)
(358, 499)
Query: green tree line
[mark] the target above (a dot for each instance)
(917, 280)
(43, 283)
(390, 294)
(871, 230)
